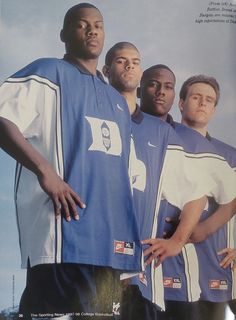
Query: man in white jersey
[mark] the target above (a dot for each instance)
(70, 134)
(198, 99)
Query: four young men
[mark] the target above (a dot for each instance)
(71, 133)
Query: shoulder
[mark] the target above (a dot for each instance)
(223, 145)
(225, 150)
(193, 141)
(112, 91)
(155, 126)
(50, 71)
(184, 130)
(41, 67)
(156, 122)
(117, 99)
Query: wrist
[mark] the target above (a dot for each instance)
(179, 239)
(42, 169)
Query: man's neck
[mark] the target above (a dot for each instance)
(200, 129)
(130, 98)
(163, 117)
(89, 64)
(145, 109)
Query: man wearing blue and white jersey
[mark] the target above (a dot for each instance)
(153, 173)
(70, 133)
(157, 96)
(198, 98)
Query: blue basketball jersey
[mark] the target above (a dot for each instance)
(161, 168)
(217, 284)
(189, 274)
(81, 125)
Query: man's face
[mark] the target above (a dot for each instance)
(157, 92)
(199, 105)
(86, 34)
(125, 72)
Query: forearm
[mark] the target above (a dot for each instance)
(190, 216)
(13, 142)
(221, 216)
(163, 248)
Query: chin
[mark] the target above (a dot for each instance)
(93, 55)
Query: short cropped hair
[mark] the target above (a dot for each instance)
(156, 67)
(71, 13)
(118, 46)
(200, 79)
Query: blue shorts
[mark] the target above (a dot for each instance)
(81, 291)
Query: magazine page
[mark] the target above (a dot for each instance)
(189, 37)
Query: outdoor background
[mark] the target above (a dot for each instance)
(171, 32)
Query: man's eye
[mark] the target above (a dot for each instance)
(81, 26)
(99, 26)
(119, 61)
(154, 84)
(210, 100)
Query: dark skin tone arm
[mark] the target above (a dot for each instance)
(63, 197)
(160, 249)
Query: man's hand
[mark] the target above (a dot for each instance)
(63, 197)
(160, 249)
(229, 259)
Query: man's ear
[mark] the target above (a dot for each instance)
(62, 35)
(138, 92)
(181, 105)
(105, 71)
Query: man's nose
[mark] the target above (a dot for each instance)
(159, 89)
(129, 66)
(92, 30)
(203, 102)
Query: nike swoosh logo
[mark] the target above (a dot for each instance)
(119, 107)
(151, 145)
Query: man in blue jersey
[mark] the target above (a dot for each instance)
(198, 99)
(70, 134)
(157, 96)
(122, 67)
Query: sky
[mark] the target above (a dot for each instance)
(165, 31)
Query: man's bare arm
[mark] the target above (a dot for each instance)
(13, 142)
(160, 249)
(205, 228)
